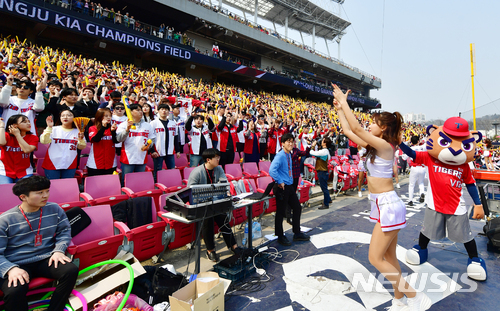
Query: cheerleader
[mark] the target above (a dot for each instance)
(15, 149)
(387, 210)
(62, 157)
(488, 155)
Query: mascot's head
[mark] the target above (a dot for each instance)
(452, 143)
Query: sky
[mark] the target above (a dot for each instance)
(420, 50)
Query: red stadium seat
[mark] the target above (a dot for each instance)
(170, 180)
(142, 184)
(87, 148)
(81, 172)
(97, 242)
(237, 158)
(36, 282)
(150, 165)
(39, 170)
(304, 190)
(264, 167)
(182, 162)
(250, 170)
(103, 189)
(233, 172)
(258, 208)
(184, 233)
(66, 193)
(187, 171)
(41, 151)
(147, 240)
(262, 183)
(9, 200)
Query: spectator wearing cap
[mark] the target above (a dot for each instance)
(200, 136)
(114, 98)
(22, 103)
(117, 118)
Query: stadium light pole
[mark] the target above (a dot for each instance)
(339, 37)
(327, 48)
(314, 37)
(255, 12)
(495, 125)
(286, 27)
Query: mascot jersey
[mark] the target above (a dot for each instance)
(446, 180)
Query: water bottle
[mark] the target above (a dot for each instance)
(245, 235)
(256, 230)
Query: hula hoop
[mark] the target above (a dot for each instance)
(79, 295)
(130, 284)
(51, 289)
(44, 304)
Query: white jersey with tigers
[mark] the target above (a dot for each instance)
(131, 151)
(118, 120)
(62, 152)
(160, 132)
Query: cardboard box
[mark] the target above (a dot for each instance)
(206, 293)
(106, 281)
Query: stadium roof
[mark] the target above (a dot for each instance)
(302, 15)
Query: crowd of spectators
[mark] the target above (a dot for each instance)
(208, 5)
(124, 19)
(57, 86)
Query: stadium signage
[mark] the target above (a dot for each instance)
(313, 88)
(68, 21)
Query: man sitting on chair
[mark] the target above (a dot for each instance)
(32, 246)
(210, 173)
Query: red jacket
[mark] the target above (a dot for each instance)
(223, 137)
(274, 139)
(249, 142)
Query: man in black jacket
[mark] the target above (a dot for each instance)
(68, 100)
(88, 100)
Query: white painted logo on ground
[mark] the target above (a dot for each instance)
(320, 293)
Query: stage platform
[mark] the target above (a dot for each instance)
(332, 271)
(485, 176)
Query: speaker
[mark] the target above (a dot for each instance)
(102, 45)
(193, 66)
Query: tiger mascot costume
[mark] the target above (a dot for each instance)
(449, 149)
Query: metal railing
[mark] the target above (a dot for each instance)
(121, 20)
(208, 5)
